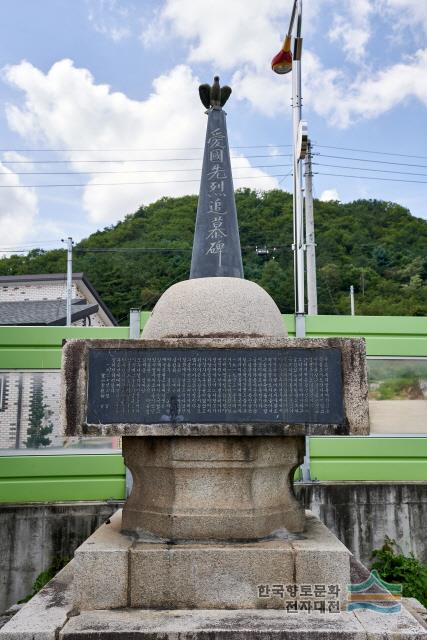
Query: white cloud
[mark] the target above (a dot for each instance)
(110, 18)
(328, 195)
(269, 93)
(154, 30)
(406, 13)
(371, 95)
(353, 30)
(245, 42)
(330, 93)
(18, 204)
(228, 33)
(65, 108)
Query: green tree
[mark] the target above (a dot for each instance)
(376, 246)
(273, 280)
(38, 430)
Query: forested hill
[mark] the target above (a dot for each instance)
(376, 246)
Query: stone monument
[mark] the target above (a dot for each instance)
(213, 403)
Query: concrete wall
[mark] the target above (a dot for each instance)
(32, 535)
(362, 513)
(359, 513)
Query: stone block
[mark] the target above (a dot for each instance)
(101, 568)
(212, 625)
(224, 576)
(320, 558)
(224, 488)
(354, 377)
(113, 570)
(208, 576)
(190, 309)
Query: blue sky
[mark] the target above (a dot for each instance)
(116, 80)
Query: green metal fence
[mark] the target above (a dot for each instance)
(59, 478)
(40, 347)
(385, 335)
(70, 477)
(374, 458)
(48, 476)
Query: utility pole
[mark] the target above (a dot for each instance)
(299, 276)
(134, 324)
(69, 279)
(352, 300)
(310, 241)
(282, 63)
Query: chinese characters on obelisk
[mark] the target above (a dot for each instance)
(216, 247)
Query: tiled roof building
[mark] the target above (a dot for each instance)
(40, 299)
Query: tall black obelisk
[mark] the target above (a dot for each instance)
(216, 246)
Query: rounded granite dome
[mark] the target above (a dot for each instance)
(214, 307)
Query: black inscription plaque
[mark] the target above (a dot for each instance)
(150, 386)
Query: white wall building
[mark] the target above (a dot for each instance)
(32, 396)
(40, 299)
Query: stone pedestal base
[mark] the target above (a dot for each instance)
(107, 572)
(114, 571)
(212, 488)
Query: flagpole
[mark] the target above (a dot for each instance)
(298, 184)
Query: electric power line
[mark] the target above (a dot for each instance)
(132, 249)
(285, 176)
(243, 146)
(341, 166)
(118, 184)
(384, 153)
(343, 175)
(256, 146)
(403, 164)
(90, 173)
(141, 249)
(123, 160)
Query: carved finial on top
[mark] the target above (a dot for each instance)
(214, 96)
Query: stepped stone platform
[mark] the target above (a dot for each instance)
(105, 592)
(50, 616)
